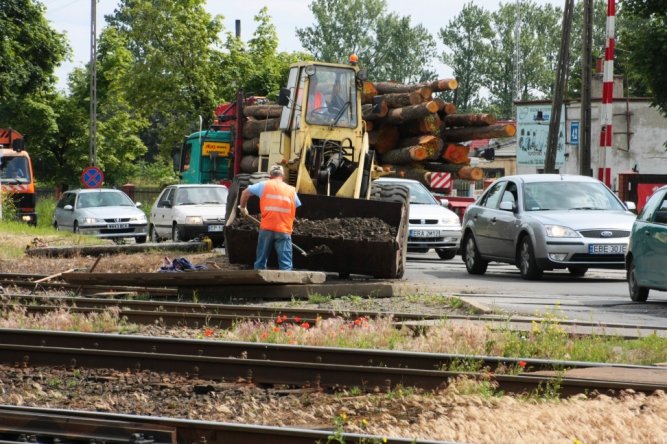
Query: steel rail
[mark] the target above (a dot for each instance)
(290, 365)
(224, 315)
(195, 431)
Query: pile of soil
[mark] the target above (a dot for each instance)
(350, 228)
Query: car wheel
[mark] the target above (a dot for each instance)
(637, 293)
(527, 264)
(176, 234)
(577, 270)
(55, 226)
(445, 254)
(75, 228)
(474, 263)
(153, 234)
(140, 239)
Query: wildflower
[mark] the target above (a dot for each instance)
(522, 364)
(364, 422)
(284, 317)
(305, 325)
(208, 332)
(279, 320)
(297, 319)
(576, 441)
(357, 321)
(343, 416)
(384, 439)
(276, 329)
(264, 335)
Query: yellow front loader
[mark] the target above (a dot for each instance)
(322, 144)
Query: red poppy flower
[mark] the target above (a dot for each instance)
(297, 319)
(305, 325)
(522, 364)
(208, 332)
(279, 320)
(357, 322)
(276, 329)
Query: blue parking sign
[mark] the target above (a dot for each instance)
(574, 133)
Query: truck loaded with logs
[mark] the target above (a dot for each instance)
(334, 133)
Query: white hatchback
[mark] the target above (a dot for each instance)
(183, 212)
(432, 226)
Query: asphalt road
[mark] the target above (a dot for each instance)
(601, 295)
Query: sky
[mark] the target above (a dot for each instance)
(73, 18)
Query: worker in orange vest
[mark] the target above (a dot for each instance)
(278, 202)
(316, 102)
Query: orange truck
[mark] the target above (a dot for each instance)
(16, 174)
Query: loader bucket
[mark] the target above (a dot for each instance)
(380, 259)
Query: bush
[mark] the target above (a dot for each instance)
(45, 209)
(8, 207)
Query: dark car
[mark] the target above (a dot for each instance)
(646, 260)
(544, 222)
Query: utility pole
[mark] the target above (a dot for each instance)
(559, 89)
(586, 75)
(517, 53)
(93, 83)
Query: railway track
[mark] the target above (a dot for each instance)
(196, 315)
(315, 367)
(20, 424)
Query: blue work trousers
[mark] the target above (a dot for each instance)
(282, 242)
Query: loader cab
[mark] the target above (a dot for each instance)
(321, 137)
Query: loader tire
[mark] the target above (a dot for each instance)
(387, 192)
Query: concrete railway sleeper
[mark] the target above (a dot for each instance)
(318, 367)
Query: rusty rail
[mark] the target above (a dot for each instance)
(82, 427)
(299, 365)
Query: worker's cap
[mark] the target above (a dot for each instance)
(276, 170)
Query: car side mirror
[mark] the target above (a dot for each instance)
(444, 202)
(68, 207)
(283, 97)
(630, 206)
(138, 204)
(507, 206)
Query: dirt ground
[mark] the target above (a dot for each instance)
(446, 415)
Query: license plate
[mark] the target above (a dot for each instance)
(215, 227)
(118, 226)
(606, 249)
(425, 233)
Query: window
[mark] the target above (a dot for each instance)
(63, 200)
(332, 97)
(569, 195)
(185, 156)
(492, 196)
(510, 193)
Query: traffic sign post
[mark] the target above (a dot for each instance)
(92, 177)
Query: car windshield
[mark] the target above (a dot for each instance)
(14, 169)
(419, 194)
(201, 196)
(563, 195)
(103, 199)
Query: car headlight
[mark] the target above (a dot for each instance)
(560, 231)
(140, 218)
(92, 220)
(450, 221)
(193, 220)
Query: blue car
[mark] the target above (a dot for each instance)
(646, 260)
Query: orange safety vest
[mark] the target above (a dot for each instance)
(278, 206)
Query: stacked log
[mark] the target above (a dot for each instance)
(412, 132)
(420, 134)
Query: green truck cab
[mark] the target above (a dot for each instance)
(207, 157)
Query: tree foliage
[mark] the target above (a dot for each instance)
(466, 38)
(389, 46)
(642, 49)
(30, 49)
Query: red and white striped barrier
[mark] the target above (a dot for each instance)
(441, 181)
(607, 111)
(15, 188)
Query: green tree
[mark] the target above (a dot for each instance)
(466, 38)
(388, 45)
(642, 49)
(171, 76)
(30, 49)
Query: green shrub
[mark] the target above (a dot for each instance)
(45, 209)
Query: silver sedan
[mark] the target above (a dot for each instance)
(546, 222)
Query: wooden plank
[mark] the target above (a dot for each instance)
(97, 250)
(202, 278)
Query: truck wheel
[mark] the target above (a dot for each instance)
(396, 193)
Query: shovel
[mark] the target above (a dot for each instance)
(296, 247)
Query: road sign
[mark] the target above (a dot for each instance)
(92, 177)
(574, 133)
